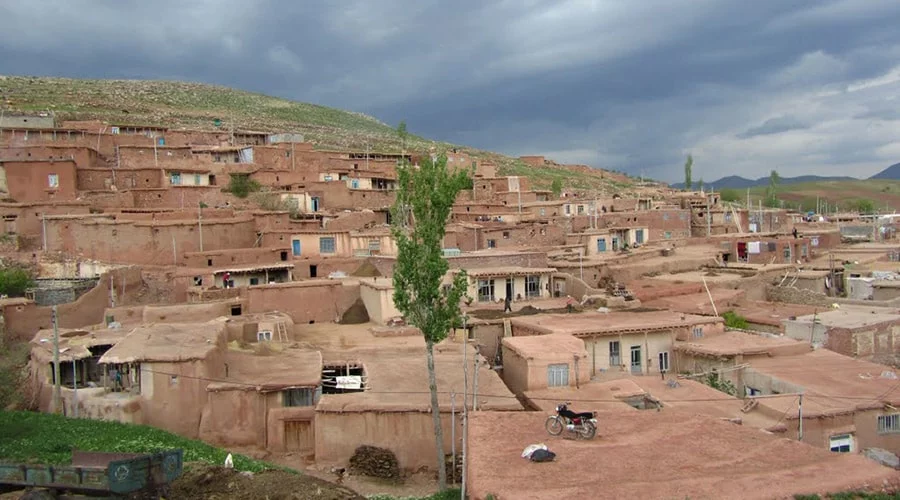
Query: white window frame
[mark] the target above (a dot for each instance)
(664, 361)
(889, 424)
(327, 245)
(838, 441)
(53, 181)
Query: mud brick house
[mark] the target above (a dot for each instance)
(495, 284)
(266, 400)
(392, 399)
(639, 343)
(27, 120)
(657, 224)
(763, 248)
(38, 180)
(544, 361)
(865, 333)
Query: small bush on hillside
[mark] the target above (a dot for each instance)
(241, 185)
(735, 320)
(15, 279)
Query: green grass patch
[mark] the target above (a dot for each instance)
(29, 437)
(450, 494)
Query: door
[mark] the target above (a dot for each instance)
(295, 246)
(509, 288)
(615, 244)
(558, 375)
(601, 244)
(639, 236)
(298, 435)
(636, 368)
(315, 203)
(313, 271)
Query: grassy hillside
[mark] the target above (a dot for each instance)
(196, 106)
(884, 194)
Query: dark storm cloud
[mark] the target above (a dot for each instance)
(626, 85)
(774, 126)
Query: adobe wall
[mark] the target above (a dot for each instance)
(175, 403)
(109, 200)
(319, 301)
(234, 418)
(236, 257)
(83, 157)
(28, 216)
(525, 235)
(487, 339)
(145, 242)
(181, 196)
(325, 266)
(339, 434)
(355, 221)
(27, 181)
(24, 321)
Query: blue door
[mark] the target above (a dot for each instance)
(296, 247)
(601, 245)
(639, 235)
(161, 141)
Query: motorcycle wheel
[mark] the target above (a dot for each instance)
(554, 425)
(588, 431)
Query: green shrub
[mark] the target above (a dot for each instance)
(241, 185)
(14, 280)
(735, 320)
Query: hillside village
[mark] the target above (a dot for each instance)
(235, 286)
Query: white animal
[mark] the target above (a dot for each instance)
(229, 462)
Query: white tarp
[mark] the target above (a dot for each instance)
(753, 247)
(348, 382)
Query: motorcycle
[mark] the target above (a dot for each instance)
(583, 424)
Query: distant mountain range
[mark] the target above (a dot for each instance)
(738, 182)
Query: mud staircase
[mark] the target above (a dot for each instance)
(736, 219)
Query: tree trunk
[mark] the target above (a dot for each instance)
(436, 416)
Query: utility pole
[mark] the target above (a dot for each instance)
(465, 417)
(44, 231)
(293, 162)
(74, 388)
(708, 217)
(800, 416)
(475, 388)
(200, 223)
(174, 252)
(453, 436)
(56, 383)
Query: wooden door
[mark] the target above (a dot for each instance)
(298, 435)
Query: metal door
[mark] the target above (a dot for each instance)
(636, 360)
(639, 236)
(295, 246)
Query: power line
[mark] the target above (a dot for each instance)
(511, 396)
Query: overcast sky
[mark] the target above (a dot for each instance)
(745, 86)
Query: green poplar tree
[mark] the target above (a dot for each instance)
(688, 166)
(425, 196)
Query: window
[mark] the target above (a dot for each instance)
(568, 209)
(668, 235)
(727, 216)
(543, 211)
(264, 336)
(751, 392)
(354, 183)
(485, 290)
(197, 180)
(254, 281)
(842, 443)
(328, 178)
(175, 178)
(615, 358)
(888, 424)
(558, 375)
(505, 235)
(787, 254)
(580, 209)
(326, 244)
(492, 243)
(664, 361)
(114, 130)
(532, 286)
(697, 332)
(601, 244)
(53, 181)
(300, 397)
